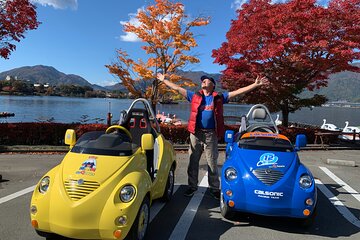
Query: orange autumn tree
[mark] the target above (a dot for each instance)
(165, 30)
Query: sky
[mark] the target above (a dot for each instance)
(81, 36)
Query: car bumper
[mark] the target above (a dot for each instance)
(300, 204)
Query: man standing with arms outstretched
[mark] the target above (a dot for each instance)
(206, 125)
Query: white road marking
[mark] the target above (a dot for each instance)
(182, 227)
(17, 194)
(338, 204)
(157, 206)
(349, 189)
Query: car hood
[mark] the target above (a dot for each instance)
(256, 159)
(93, 168)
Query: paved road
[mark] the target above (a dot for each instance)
(199, 217)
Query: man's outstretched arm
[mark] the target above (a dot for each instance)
(259, 81)
(161, 78)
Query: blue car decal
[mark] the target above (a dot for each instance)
(267, 159)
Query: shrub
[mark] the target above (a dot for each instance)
(53, 133)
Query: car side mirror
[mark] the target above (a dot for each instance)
(229, 136)
(70, 137)
(300, 141)
(147, 141)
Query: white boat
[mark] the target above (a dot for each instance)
(329, 126)
(277, 120)
(348, 132)
(167, 119)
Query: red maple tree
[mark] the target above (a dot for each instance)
(296, 45)
(16, 17)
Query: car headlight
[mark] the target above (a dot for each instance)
(230, 174)
(127, 193)
(44, 184)
(305, 181)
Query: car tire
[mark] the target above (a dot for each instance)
(226, 212)
(139, 228)
(169, 188)
(46, 235)
(50, 236)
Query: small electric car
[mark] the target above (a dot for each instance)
(104, 187)
(262, 173)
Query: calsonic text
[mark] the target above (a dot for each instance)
(268, 194)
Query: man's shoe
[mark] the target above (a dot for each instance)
(190, 192)
(215, 193)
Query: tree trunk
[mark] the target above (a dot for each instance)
(153, 105)
(285, 115)
(154, 95)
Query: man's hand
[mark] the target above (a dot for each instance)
(259, 81)
(160, 77)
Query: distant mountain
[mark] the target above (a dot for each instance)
(342, 86)
(196, 75)
(117, 87)
(46, 74)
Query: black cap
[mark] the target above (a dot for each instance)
(207, 77)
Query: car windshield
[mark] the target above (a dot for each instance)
(100, 143)
(266, 143)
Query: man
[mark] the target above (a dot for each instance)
(206, 125)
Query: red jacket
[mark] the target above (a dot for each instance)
(218, 111)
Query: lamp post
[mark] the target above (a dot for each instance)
(109, 115)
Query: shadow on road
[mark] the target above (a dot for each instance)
(328, 222)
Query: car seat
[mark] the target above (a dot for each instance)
(138, 123)
(260, 120)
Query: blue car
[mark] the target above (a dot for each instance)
(262, 173)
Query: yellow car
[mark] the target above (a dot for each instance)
(104, 187)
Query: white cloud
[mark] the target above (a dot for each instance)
(131, 37)
(128, 36)
(238, 3)
(58, 4)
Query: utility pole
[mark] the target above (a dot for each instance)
(109, 115)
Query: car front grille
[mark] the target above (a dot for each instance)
(77, 189)
(268, 176)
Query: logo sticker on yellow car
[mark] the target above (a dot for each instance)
(88, 167)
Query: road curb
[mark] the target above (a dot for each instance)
(177, 147)
(339, 162)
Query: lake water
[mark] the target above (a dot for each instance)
(67, 110)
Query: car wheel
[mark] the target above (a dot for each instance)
(141, 223)
(46, 235)
(169, 188)
(226, 212)
(51, 236)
